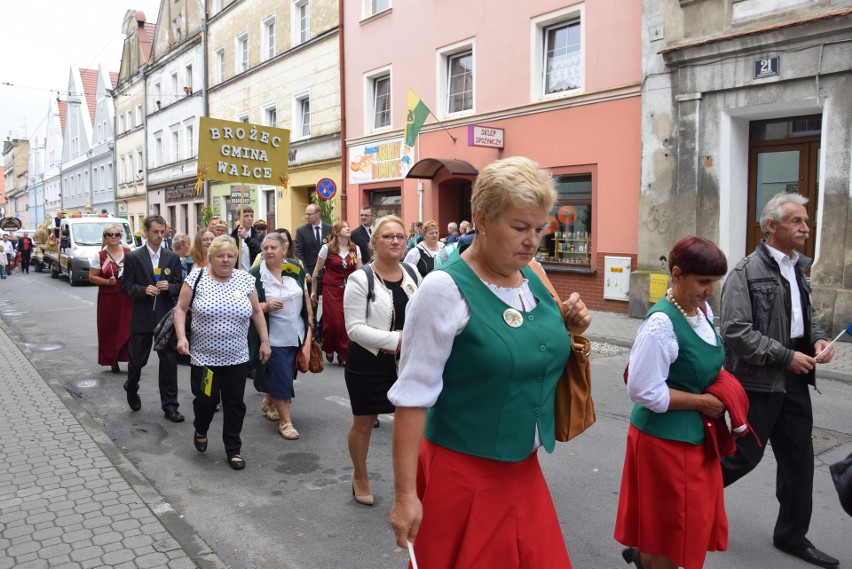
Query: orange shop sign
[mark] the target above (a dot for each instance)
(385, 160)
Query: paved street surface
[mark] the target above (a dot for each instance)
(85, 482)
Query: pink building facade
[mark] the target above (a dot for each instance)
(554, 81)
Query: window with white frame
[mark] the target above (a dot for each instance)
(157, 94)
(267, 28)
(121, 171)
(175, 144)
(158, 148)
(243, 117)
(121, 126)
(219, 65)
(242, 53)
(458, 80)
(138, 115)
(187, 79)
(189, 135)
(270, 115)
(139, 166)
(129, 119)
(301, 24)
(373, 7)
(176, 90)
(379, 101)
(302, 116)
(558, 53)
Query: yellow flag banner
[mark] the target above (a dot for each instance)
(243, 153)
(207, 381)
(416, 114)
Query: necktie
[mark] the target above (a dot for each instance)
(317, 233)
(369, 231)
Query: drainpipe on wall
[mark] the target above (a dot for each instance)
(144, 72)
(343, 170)
(204, 102)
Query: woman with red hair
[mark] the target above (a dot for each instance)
(340, 257)
(671, 509)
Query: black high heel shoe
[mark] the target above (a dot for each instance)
(631, 555)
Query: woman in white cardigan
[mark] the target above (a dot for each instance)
(374, 326)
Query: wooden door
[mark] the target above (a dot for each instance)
(782, 167)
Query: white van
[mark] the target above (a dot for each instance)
(80, 238)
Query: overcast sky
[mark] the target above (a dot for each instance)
(41, 39)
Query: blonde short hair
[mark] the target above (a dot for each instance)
(431, 224)
(511, 182)
(381, 222)
(221, 243)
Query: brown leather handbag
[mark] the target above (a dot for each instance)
(575, 410)
(316, 364)
(303, 356)
(309, 356)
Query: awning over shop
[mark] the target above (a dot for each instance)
(428, 168)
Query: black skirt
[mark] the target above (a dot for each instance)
(368, 379)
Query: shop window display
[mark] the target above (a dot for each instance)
(568, 238)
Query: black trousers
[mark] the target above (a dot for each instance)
(229, 386)
(25, 262)
(786, 421)
(139, 349)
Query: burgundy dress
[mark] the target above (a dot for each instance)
(337, 271)
(114, 311)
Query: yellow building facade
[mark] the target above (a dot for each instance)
(277, 64)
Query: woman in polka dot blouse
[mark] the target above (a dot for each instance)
(224, 302)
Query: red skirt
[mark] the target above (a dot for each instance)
(334, 336)
(672, 500)
(481, 514)
(114, 310)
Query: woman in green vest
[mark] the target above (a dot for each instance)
(671, 509)
(475, 396)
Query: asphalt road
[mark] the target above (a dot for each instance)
(292, 507)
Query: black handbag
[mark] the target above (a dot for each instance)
(841, 474)
(165, 339)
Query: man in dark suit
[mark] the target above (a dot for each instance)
(309, 240)
(167, 240)
(153, 296)
(247, 238)
(361, 234)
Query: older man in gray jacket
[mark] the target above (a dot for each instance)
(771, 344)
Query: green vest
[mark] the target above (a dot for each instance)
(499, 381)
(696, 367)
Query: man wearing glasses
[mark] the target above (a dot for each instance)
(361, 234)
(309, 240)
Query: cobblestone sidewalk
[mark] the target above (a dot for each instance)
(68, 497)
